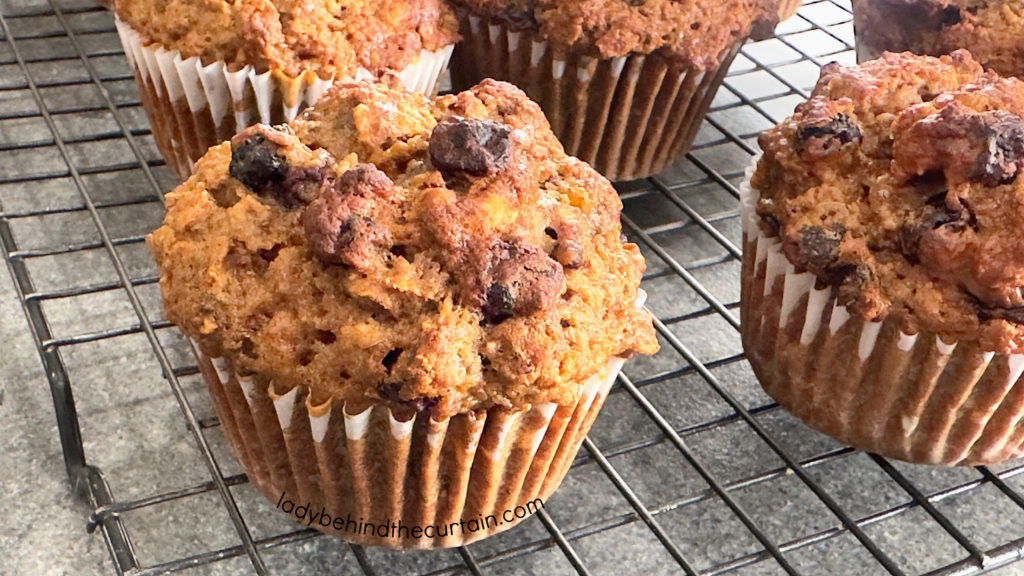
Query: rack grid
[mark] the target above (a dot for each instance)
(689, 469)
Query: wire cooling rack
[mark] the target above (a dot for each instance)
(689, 469)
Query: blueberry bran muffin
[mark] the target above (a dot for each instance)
(993, 30)
(430, 262)
(264, 60)
(881, 248)
(625, 84)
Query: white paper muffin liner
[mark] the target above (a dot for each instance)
(373, 469)
(629, 117)
(913, 397)
(192, 107)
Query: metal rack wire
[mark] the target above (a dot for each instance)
(690, 468)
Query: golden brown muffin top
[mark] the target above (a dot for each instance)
(441, 255)
(329, 37)
(992, 30)
(898, 185)
(694, 31)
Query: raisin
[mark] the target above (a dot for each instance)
(848, 276)
(1001, 154)
(338, 224)
(950, 16)
(499, 304)
(824, 139)
(819, 246)
(771, 223)
(986, 312)
(469, 146)
(1015, 315)
(936, 215)
(257, 162)
(523, 280)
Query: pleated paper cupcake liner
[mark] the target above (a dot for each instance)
(192, 106)
(373, 479)
(913, 397)
(629, 117)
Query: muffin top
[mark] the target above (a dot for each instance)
(992, 30)
(331, 38)
(697, 32)
(441, 255)
(897, 184)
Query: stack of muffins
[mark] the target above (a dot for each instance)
(410, 309)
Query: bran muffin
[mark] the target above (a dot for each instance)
(993, 30)
(624, 84)
(882, 276)
(440, 296)
(207, 68)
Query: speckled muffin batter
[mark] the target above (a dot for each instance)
(331, 38)
(993, 30)
(694, 31)
(897, 184)
(441, 255)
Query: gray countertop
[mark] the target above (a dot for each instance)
(635, 501)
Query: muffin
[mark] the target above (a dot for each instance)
(206, 69)
(407, 310)
(882, 269)
(993, 30)
(624, 84)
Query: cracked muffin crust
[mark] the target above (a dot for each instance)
(898, 185)
(331, 39)
(441, 255)
(993, 30)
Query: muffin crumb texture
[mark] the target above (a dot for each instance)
(697, 32)
(441, 255)
(898, 185)
(330, 39)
